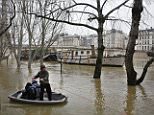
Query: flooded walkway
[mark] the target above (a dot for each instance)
(86, 96)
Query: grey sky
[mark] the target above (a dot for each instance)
(124, 13)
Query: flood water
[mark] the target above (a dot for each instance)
(108, 96)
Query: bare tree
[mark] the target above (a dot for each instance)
(40, 32)
(7, 15)
(17, 34)
(48, 28)
(4, 13)
(94, 13)
(133, 35)
(30, 24)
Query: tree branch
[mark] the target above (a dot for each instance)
(66, 22)
(83, 12)
(144, 71)
(121, 20)
(106, 16)
(128, 6)
(103, 5)
(80, 4)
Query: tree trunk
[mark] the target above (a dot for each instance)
(20, 43)
(30, 51)
(42, 46)
(43, 27)
(145, 71)
(136, 16)
(100, 50)
(30, 57)
(3, 25)
(101, 20)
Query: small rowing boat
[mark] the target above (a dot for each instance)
(56, 98)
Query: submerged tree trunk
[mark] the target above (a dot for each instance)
(131, 73)
(42, 43)
(101, 20)
(20, 45)
(98, 67)
(145, 71)
(30, 52)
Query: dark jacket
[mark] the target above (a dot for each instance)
(43, 75)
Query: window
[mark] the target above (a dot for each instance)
(82, 52)
(88, 52)
(76, 53)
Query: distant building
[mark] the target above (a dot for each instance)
(111, 39)
(69, 40)
(145, 41)
(84, 41)
(114, 39)
(93, 40)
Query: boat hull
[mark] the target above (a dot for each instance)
(106, 61)
(56, 99)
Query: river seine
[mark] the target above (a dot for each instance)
(86, 96)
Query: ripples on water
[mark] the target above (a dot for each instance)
(86, 96)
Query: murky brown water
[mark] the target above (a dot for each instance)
(86, 96)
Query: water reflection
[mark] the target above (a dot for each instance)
(39, 111)
(26, 109)
(132, 97)
(142, 90)
(99, 101)
(130, 101)
(61, 81)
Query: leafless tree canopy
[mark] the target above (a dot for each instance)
(8, 12)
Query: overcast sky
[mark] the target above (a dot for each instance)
(124, 13)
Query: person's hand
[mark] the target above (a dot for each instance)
(41, 79)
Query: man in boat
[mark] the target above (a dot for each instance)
(43, 75)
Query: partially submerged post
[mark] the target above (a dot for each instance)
(61, 65)
(61, 62)
(93, 54)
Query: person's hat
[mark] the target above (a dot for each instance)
(42, 66)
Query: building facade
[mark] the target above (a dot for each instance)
(145, 41)
(69, 40)
(111, 39)
(114, 39)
